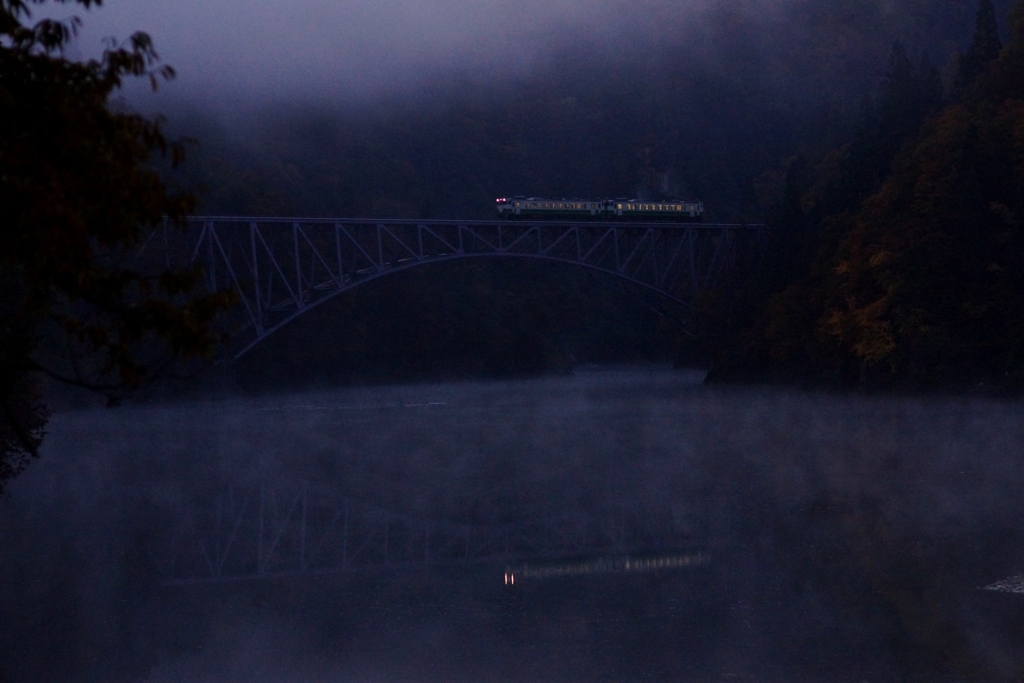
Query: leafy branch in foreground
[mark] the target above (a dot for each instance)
(79, 191)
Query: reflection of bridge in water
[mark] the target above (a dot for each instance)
(266, 532)
(279, 268)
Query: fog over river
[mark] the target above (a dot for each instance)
(828, 537)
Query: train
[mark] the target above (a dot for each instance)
(600, 209)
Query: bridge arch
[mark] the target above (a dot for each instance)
(281, 268)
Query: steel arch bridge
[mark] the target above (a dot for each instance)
(279, 268)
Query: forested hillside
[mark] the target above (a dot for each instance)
(710, 111)
(880, 140)
(898, 256)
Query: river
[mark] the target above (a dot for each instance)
(774, 535)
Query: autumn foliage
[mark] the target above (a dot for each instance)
(919, 280)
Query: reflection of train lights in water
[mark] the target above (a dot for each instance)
(604, 565)
(1014, 584)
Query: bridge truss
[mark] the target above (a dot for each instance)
(280, 268)
(260, 532)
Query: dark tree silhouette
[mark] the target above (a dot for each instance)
(78, 190)
(917, 279)
(985, 48)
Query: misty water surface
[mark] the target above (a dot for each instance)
(848, 536)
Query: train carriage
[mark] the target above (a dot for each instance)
(600, 209)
